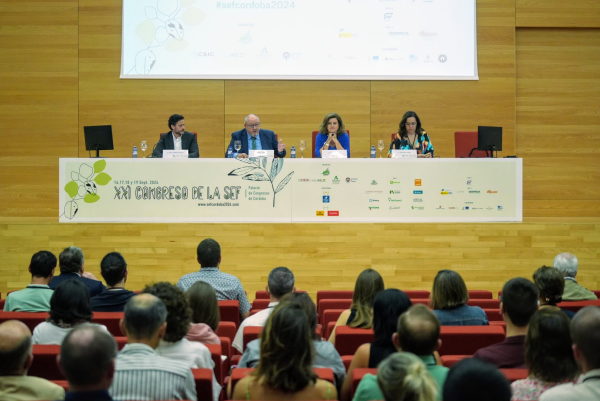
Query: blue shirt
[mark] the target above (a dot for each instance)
(462, 315)
(320, 140)
(258, 144)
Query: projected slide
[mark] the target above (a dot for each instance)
(299, 39)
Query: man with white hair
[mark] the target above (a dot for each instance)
(567, 264)
(252, 137)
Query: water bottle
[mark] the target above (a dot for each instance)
(293, 152)
(230, 152)
(373, 152)
(135, 152)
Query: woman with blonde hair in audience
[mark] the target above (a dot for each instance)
(449, 298)
(368, 284)
(548, 355)
(205, 313)
(284, 370)
(388, 305)
(403, 377)
(69, 307)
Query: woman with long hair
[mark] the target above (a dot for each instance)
(332, 135)
(449, 298)
(388, 305)
(551, 283)
(205, 313)
(284, 370)
(368, 284)
(411, 135)
(548, 355)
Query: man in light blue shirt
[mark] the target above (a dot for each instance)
(36, 296)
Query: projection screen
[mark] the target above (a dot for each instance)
(300, 39)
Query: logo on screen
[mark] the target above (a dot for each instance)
(325, 198)
(417, 192)
(320, 212)
(417, 182)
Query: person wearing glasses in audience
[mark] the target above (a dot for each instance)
(332, 135)
(412, 136)
(252, 137)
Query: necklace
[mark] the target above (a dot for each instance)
(411, 145)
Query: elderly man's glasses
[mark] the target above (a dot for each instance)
(253, 125)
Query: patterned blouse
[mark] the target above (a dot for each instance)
(529, 389)
(422, 144)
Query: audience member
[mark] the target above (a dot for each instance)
(418, 333)
(15, 359)
(585, 330)
(287, 353)
(449, 298)
(567, 264)
(280, 283)
(69, 307)
(368, 284)
(326, 356)
(174, 345)
(551, 284)
(475, 380)
(518, 303)
(403, 377)
(226, 286)
(205, 313)
(36, 296)
(388, 306)
(87, 359)
(71, 263)
(113, 298)
(140, 373)
(548, 354)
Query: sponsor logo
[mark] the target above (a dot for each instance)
(446, 192)
(373, 192)
(417, 182)
(333, 213)
(469, 182)
(303, 180)
(373, 200)
(425, 33)
(452, 207)
(477, 208)
(392, 192)
(489, 208)
(373, 207)
(468, 203)
(491, 192)
(318, 180)
(373, 182)
(474, 192)
(335, 180)
(462, 191)
(442, 58)
(325, 192)
(394, 182)
(500, 208)
(417, 192)
(394, 207)
(394, 200)
(326, 172)
(398, 33)
(348, 179)
(206, 54)
(440, 207)
(320, 212)
(417, 207)
(417, 199)
(325, 198)
(465, 208)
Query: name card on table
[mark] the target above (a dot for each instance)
(404, 154)
(269, 154)
(334, 154)
(175, 154)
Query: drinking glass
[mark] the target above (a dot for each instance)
(380, 146)
(144, 147)
(237, 145)
(302, 146)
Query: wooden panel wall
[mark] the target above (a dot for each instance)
(59, 71)
(558, 98)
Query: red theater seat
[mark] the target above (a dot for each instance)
(485, 303)
(348, 339)
(422, 301)
(464, 142)
(329, 294)
(260, 303)
(226, 329)
(466, 340)
(499, 323)
(203, 379)
(326, 304)
(329, 329)
(110, 320)
(31, 319)
(480, 294)
(230, 312)
(251, 333)
(493, 315)
(215, 354)
(574, 306)
(44, 362)
(330, 315)
(515, 374)
(417, 293)
(225, 351)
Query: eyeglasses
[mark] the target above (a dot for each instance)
(410, 124)
(253, 125)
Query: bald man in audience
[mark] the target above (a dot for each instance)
(15, 359)
(585, 330)
(142, 374)
(87, 359)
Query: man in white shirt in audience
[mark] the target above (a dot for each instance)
(227, 286)
(36, 296)
(140, 373)
(585, 330)
(87, 359)
(15, 359)
(280, 283)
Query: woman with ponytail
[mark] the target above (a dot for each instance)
(551, 284)
(403, 377)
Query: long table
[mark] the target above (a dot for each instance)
(290, 190)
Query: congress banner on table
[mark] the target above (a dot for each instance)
(290, 190)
